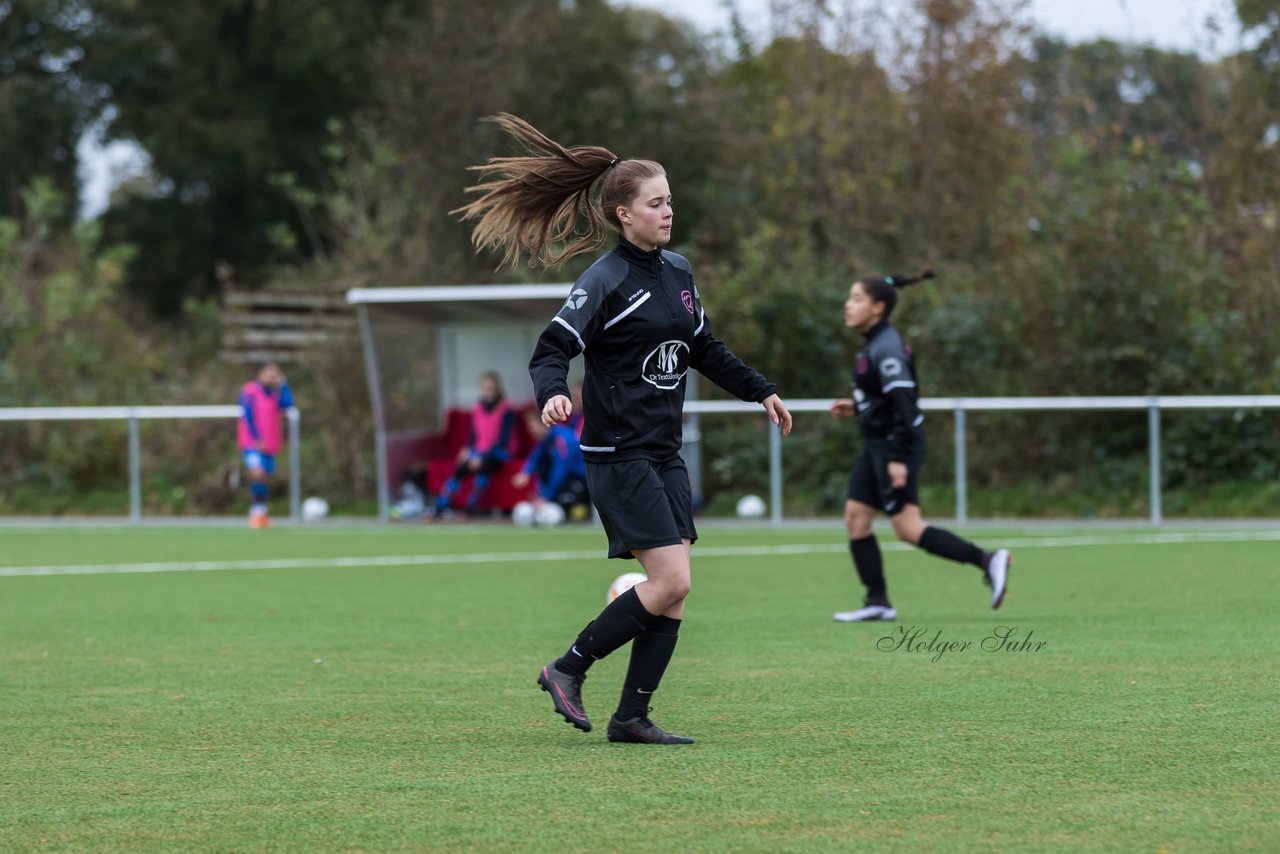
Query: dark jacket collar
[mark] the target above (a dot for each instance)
(635, 254)
(876, 330)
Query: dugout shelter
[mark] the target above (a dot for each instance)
(424, 351)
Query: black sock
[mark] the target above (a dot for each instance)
(943, 543)
(870, 566)
(650, 653)
(620, 621)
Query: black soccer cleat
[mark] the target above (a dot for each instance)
(566, 693)
(641, 730)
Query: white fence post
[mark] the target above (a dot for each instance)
(379, 420)
(962, 484)
(1153, 441)
(775, 473)
(135, 469)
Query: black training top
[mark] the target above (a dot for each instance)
(638, 320)
(886, 394)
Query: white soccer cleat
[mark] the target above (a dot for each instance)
(866, 614)
(998, 575)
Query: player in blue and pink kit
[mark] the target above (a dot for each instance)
(262, 403)
(490, 444)
(555, 463)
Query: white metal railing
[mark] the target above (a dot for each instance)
(134, 414)
(959, 406)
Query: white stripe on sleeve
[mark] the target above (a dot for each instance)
(560, 320)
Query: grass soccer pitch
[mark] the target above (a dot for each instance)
(372, 689)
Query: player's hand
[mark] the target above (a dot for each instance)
(842, 408)
(898, 475)
(519, 480)
(778, 413)
(557, 410)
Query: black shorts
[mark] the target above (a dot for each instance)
(642, 504)
(869, 481)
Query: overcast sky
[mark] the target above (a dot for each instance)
(1176, 24)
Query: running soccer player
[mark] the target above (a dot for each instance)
(886, 473)
(637, 319)
(263, 401)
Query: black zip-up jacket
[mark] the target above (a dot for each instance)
(886, 393)
(638, 320)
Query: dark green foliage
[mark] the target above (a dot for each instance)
(224, 96)
(42, 102)
(1103, 216)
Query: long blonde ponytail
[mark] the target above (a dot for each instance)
(531, 202)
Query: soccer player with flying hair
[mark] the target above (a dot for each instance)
(636, 318)
(886, 473)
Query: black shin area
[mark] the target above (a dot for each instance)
(870, 566)
(943, 543)
(650, 654)
(620, 621)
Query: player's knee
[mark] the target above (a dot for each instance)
(857, 528)
(906, 531)
(675, 590)
(857, 523)
(680, 590)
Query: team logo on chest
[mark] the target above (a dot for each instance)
(687, 299)
(666, 365)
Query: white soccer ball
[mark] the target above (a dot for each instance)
(549, 514)
(751, 507)
(522, 514)
(314, 509)
(623, 583)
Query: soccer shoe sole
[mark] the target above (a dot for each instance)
(565, 709)
(852, 616)
(997, 596)
(620, 733)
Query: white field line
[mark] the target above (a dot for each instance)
(1165, 538)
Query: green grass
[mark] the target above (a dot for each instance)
(1063, 497)
(393, 708)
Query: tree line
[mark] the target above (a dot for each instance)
(1103, 215)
